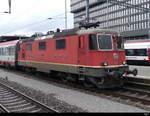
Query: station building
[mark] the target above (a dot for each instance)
(132, 22)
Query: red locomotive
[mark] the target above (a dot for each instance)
(92, 56)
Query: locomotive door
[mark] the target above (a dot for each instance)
(82, 51)
(23, 54)
(116, 58)
(116, 53)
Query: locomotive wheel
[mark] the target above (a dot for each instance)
(63, 77)
(98, 82)
(87, 83)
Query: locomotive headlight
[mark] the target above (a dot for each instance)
(124, 63)
(105, 63)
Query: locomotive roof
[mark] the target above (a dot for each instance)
(77, 31)
(97, 30)
(72, 32)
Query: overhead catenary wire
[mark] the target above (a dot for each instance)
(126, 4)
(121, 3)
(33, 24)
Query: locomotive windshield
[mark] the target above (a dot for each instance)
(105, 42)
(100, 42)
(93, 42)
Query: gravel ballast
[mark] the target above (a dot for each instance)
(72, 100)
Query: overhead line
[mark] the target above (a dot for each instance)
(124, 3)
(30, 25)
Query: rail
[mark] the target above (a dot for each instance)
(15, 101)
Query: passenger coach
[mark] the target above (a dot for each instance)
(137, 51)
(8, 53)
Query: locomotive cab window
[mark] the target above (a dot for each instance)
(42, 46)
(105, 42)
(60, 44)
(120, 44)
(29, 47)
(93, 42)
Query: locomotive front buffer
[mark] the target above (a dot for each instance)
(112, 77)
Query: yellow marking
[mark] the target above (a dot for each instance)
(73, 65)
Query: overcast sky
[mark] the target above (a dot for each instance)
(30, 16)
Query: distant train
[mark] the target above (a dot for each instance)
(137, 51)
(91, 56)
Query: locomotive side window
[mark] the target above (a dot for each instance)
(120, 44)
(28, 47)
(93, 42)
(60, 44)
(105, 42)
(42, 46)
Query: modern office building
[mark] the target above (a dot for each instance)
(131, 17)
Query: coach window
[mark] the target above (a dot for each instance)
(29, 47)
(42, 46)
(6, 51)
(60, 44)
(9, 51)
(13, 50)
(0, 51)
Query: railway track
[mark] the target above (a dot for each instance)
(135, 92)
(14, 101)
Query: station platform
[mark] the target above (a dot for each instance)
(143, 74)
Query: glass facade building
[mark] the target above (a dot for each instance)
(131, 20)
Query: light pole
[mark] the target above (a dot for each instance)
(66, 14)
(107, 14)
(9, 3)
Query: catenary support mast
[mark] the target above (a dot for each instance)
(87, 11)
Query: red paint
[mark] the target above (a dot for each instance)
(77, 53)
(149, 54)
